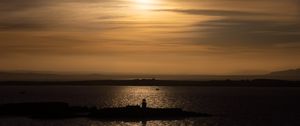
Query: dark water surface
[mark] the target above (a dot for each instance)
(233, 106)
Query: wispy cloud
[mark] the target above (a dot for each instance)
(247, 32)
(201, 32)
(214, 12)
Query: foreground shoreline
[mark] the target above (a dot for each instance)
(62, 110)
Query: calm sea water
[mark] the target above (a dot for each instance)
(233, 106)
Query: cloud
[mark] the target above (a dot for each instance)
(13, 26)
(245, 29)
(57, 15)
(247, 32)
(289, 45)
(214, 12)
(254, 30)
(231, 30)
(20, 5)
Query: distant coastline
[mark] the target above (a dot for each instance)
(291, 75)
(286, 78)
(153, 82)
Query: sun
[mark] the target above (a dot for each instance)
(144, 1)
(145, 4)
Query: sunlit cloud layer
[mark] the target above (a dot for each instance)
(150, 36)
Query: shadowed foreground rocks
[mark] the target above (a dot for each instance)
(60, 110)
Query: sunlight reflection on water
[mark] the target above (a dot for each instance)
(134, 96)
(243, 106)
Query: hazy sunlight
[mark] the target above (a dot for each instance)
(146, 4)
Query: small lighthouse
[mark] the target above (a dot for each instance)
(144, 104)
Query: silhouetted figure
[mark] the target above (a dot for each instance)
(144, 104)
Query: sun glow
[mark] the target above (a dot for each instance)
(145, 4)
(144, 1)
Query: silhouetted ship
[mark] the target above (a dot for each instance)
(60, 110)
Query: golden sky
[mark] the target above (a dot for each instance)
(150, 36)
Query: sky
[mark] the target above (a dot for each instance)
(150, 36)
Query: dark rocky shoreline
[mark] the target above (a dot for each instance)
(61, 110)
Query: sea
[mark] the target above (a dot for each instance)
(231, 106)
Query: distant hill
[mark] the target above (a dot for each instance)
(45, 76)
(291, 72)
(52, 76)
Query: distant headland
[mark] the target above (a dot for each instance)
(291, 75)
(285, 78)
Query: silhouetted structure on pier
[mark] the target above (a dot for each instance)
(144, 104)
